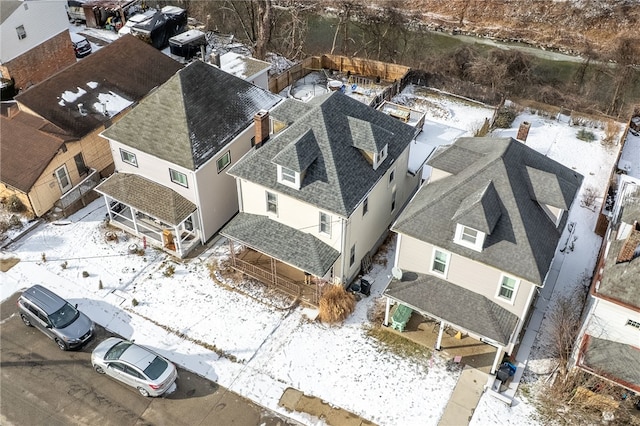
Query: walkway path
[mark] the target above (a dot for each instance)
(464, 398)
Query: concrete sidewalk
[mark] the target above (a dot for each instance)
(294, 400)
(464, 398)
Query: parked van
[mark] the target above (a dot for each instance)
(81, 45)
(55, 317)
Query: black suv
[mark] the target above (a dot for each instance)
(55, 317)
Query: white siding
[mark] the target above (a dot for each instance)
(42, 20)
(608, 321)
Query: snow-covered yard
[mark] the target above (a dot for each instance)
(259, 349)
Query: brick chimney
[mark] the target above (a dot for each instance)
(261, 122)
(523, 131)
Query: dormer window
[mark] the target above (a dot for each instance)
(288, 177)
(469, 237)
(379, 157)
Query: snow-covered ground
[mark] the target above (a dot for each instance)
(259, 349)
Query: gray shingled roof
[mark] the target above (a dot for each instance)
(300, 154)
(480, 210)
(148, 197)
(340, 177)
(431, 295)
(296, 248)
(523, 239)
(615, 360)
(193, 116)
(621, 281)
(7, 7)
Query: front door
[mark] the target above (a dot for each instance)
(63, 179)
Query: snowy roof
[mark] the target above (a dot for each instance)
(86, 95)
(242, 66)
(191, 117)
(523, 238)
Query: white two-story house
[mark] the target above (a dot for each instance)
(609, 341)
(171, 153)
(319, 195)
(476, 242)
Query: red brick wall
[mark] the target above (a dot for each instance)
(42, 61)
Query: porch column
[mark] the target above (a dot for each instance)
(177, 241)
(386, 312)
(233, 253)
(273, 271)
(106, 201)
(497, 359)
(440, 332)
(135, 222)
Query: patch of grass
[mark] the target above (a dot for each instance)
(585, 135)
(398, 344)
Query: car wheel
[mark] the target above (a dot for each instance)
(25, 320)
(61, 345)
(98, 369)
(143, 391)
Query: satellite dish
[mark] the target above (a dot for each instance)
(396, 272)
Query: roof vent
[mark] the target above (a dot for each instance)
(81, 110)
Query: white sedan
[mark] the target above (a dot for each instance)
(135, 366)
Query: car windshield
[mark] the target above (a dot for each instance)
(64, 316)
(116, 350)
(156, 368)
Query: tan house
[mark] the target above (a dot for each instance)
(317, 198)
(476, 242)
(77, 104)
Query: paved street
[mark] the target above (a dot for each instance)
(39, 384)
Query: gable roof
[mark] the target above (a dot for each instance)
(109, 80)
(620, 278)
(523, 238)
(26, 149)
(340, 176)
(191, 117)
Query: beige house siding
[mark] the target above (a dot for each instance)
(415, 255)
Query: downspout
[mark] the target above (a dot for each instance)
(344, 237)
(200, 217)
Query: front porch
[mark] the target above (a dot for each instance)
(302, 286)
(424, 331)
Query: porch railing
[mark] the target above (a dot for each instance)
(78, 191)
(268, 277)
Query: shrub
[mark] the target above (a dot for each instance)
(85, 274)
(586, 135)
(100, 286)
(43, 256)
(134, 301)
(336, 304)
(505, 117)
(4, 226)
(169, 271)
(15, 205)
(64, 265)
(15, 222)
(610, 133)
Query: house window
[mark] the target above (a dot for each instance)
(22, 34)
(469, 237)
(634, 324)
(440, 262)
(507, 287)
(128, 157)
(365, 206)
(352, 255)
(272, 202)
(325, 223)
(224, 161)
(393, 200)
(392, 176)
(469, 234)
(288, 175)
(178, 177)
